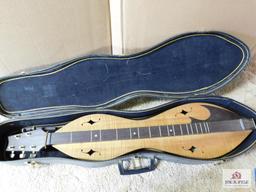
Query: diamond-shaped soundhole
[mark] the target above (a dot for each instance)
(91, 122)
(184, 112)
(192, 149)
(91, 152)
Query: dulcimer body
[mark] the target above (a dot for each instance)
(186, 130)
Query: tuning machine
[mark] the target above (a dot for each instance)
(12, 154)
(28, 133)
(18, 136)
(22, 154)
(33, 154)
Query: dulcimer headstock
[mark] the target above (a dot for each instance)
(31, 140)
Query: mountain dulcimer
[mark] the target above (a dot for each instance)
(194, 130)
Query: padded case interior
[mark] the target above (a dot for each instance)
(190, 64)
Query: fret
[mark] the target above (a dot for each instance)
(144, 132)
(253, 123)
(149, 131)
(173, 130)
(242, 124)
(154, 131)
(138, 130)
(71, 137)
(191, 128)
(207, 127)
(196, 128)
(100, 134)
(214, 126)
(201, 127)
(164, 131)
(167, 129)
(116, 135)
(160, 133)
(130, 133)
(90, 136)
(187, 128)
(181, 131)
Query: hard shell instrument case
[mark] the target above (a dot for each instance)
(186, 68)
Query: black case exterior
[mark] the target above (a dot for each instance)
(187, 68)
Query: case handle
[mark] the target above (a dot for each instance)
(137, 165)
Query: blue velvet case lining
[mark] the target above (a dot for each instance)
(190, 64)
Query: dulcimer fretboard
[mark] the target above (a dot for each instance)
(150, 131)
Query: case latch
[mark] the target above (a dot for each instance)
(137, 164)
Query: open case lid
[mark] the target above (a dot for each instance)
(186, 65)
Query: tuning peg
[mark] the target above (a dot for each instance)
(11, 147)
(12, 155)
(22, 147)
(17, 136)
(28, 133)
(22, 155)
(33, 154)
